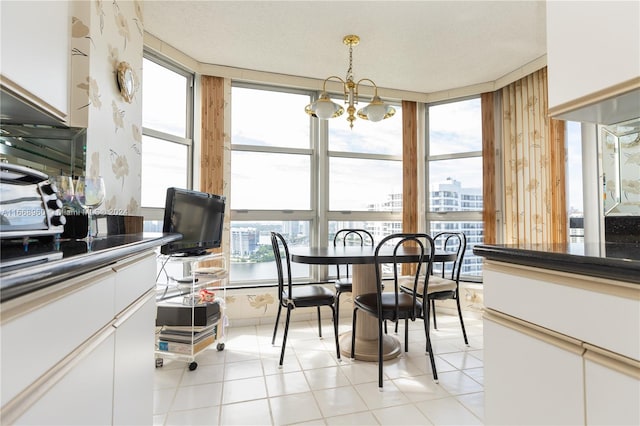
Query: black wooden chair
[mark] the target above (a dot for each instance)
(298, 296)
(445, 283)
(346, 237)
(395, 305)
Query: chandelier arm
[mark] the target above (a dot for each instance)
(375, 86)
(344, 83)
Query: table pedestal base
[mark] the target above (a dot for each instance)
(367, 350)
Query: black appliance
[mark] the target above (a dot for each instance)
(198, 216)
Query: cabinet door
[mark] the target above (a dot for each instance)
(612, 394)
(36, 47)
(135, 277)
(40, 329)
(82, 397)
(134, 364)
(529, 381)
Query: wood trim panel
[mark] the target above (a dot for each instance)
(409, 166)
(212, 151)
(558, 165)
(489, 208)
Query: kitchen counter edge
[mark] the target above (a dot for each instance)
(24, 281)
(615, 268)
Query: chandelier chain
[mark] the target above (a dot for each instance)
(350, 70)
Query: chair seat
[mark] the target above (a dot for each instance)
(369, 302)
(343, 285)
(310, 295)
(436, 285)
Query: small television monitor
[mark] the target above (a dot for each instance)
(198, 216)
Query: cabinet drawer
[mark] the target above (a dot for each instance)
(585, 308)
(40, 329)
(135, 277)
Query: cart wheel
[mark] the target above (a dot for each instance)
(193, 366)
(159, 362)
(220, 346)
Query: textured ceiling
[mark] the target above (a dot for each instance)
(420, 46)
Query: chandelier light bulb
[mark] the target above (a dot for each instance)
(324, 109)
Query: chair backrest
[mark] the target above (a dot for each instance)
(279, 245)
(350, 237)
(453, 242)
(422, 248)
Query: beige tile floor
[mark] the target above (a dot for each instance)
(242, 385)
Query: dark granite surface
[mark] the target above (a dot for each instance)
(617, 261)
(78, 257)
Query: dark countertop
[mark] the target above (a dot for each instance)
(78, 257)
(616, 261)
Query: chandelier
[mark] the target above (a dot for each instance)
(324, 108)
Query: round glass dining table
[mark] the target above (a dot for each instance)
(362, 260)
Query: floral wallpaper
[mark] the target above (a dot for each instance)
(105, 33)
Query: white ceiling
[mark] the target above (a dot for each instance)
(420, 46)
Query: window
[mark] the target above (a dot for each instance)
(272, 165)
(305, 178)
(454, 165)
(167, 128)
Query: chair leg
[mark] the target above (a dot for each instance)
(464, 332)
(433, 312)
(319, 324)
(335, 332)
(336, 316)
(275, 329)
(429, 348)
(406, 334)
(353, 334)
(432, 357)
(379, 353)
(286, 332)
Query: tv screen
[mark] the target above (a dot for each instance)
(198, 216)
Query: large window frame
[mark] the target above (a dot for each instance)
(319, 214)
(157, 213)
(451, 217)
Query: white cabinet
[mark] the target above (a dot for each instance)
(83, 396)
(46, 326)
(35, 49)
(560, 348)
(134, 365)
(529, 378)
(80, 352)
(602, 374)
(591, 66)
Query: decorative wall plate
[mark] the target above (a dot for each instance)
(126, 81)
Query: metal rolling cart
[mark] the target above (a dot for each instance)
(190, 300)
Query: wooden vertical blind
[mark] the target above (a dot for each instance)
(489, 201)
(212, 151)
(212, 144)
(409, 166)
(533, 167)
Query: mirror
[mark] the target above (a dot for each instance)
(31, 137)
(51, 150)
(621, 168)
